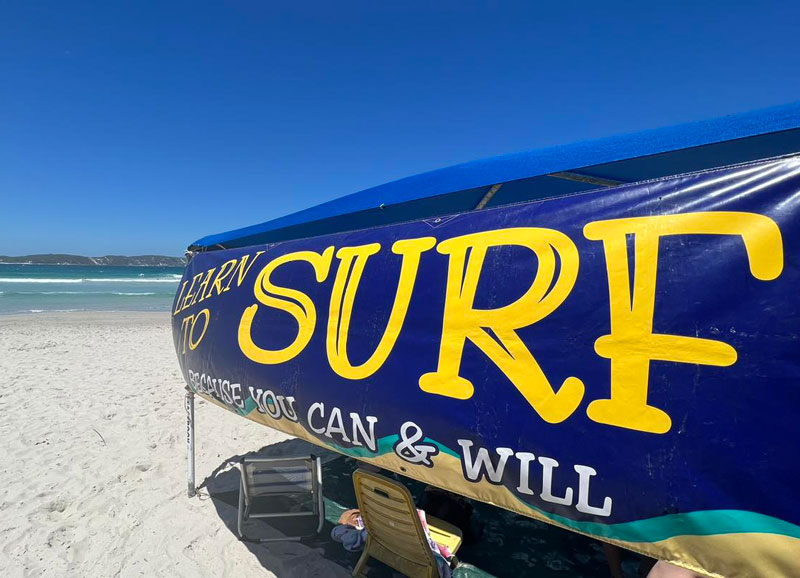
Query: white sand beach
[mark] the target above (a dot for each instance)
(93, 475)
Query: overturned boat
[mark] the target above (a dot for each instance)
(603, 336)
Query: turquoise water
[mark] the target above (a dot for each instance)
(45, 288)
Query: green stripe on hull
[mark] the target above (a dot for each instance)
(703, 523)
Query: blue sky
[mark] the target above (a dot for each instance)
(137, 127)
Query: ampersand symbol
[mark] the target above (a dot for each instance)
(408, 449)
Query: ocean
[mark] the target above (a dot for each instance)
(47, 288)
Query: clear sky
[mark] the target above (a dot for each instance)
(137, 127)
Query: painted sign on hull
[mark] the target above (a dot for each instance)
(623, 363)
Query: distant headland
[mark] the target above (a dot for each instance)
(113, 260)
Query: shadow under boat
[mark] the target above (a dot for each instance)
(502, 543)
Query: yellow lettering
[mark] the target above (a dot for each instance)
(344, 293)
(178, 300)
(295, 303)
(242, 268)
(187, 301)
(463, 321)
(185, 325)
(193, 343)
(631, 345)
(204, 285)
(224, 271)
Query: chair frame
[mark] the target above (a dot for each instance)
(245, 500)
(374, 548)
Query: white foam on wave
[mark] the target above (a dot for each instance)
(37, 280)
(129, 280)
(50, 293)
(90, 280)
(83, 293)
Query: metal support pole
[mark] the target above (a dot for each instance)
(488, 197)
(190, 440)
(589, 179)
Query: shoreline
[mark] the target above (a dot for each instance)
(86, 316)
(89, 265)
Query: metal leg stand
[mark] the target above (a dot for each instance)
(189, 403)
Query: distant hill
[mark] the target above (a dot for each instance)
(117, 260)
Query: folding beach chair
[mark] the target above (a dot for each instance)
(394, 532)
(271, 482)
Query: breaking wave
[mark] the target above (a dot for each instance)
(125, 293)
(169, 279)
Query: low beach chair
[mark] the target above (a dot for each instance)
(263, 479)
(394, 532)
